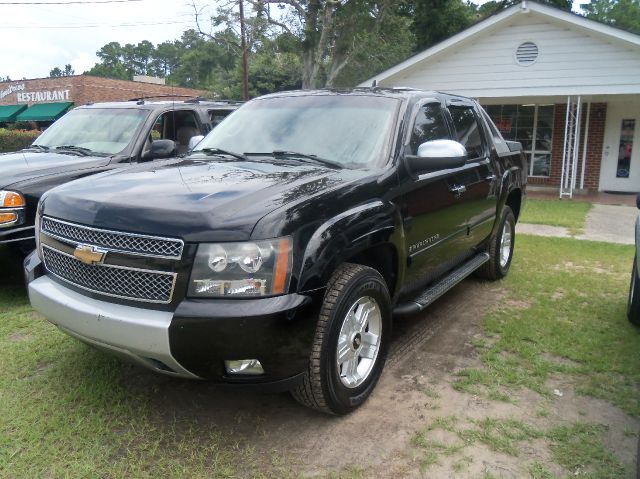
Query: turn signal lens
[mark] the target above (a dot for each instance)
(282, 267)
(11, 199)
(8, 218)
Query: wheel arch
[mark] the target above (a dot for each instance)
(366, 235)
(514, 201)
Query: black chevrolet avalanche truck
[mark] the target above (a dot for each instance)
(279, 250)
(91, 139)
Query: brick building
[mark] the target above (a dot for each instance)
(567, 87)
(46, 99)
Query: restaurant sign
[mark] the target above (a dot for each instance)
(33, 96)
(42, 96)
(11, 89)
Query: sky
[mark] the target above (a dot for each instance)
(36, 38)
(38, 35)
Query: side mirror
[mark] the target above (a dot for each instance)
(437, 155)
(194, 141)
(161, 149)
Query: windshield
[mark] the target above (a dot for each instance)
(352, 131)
(100, 130)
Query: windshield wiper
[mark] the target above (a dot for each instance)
(302, 156)
(39, 147)
(221, 152)
(79, 149)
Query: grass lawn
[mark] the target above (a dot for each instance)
(67, 410)
(566, 314)
(64, 411)
(569, 214)
(563, 318)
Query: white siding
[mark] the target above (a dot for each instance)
(571, 61)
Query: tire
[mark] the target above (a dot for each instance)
(633, 303)
(500, 252)
(355, 317)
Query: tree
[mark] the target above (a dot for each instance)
(437, 20)
(110, 65)
(67, 72)
(334, 35)
(623, 14)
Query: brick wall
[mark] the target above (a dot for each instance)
(595, 143)
(88, 89)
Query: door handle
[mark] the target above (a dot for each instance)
(457, 190)
(490, 178)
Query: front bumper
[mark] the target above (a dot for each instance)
(195, 339)
(18, 234)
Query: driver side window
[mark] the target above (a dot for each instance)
(429, 125)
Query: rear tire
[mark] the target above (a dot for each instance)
(633, 303)
(351, 341)
(500, 248)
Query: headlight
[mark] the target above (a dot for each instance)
(12, 208)
(254, 268)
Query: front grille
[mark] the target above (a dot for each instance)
(114, 240)
(127, 283)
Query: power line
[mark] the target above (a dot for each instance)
(72, 2)
(95, 25)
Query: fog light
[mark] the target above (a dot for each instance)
(243, 366)
(8, 217)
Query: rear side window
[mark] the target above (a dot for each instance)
(429, 125)
(216, 116)
(467, 130)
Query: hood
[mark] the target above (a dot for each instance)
(27, 164)
(196, 200)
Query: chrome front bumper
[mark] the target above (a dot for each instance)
(140, 335)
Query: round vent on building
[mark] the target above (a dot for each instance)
(527, 53)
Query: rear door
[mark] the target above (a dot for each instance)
(477, 182)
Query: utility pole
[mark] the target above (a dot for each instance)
(245, 55)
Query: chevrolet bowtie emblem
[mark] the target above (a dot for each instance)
(90, 255)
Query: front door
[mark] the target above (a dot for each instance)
(620, 170)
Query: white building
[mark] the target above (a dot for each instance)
(567, 87)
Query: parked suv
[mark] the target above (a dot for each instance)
(278, 251)
(94, 138)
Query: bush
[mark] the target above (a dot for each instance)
(13, 140)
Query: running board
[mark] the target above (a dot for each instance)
(436, 290)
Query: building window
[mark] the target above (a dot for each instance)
(531, 125)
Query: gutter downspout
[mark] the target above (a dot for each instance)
(584, 146)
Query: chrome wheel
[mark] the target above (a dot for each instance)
(505, 244)
(359, 342)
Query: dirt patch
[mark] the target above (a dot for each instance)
(414, 391)
(17, 337)
(596, 268)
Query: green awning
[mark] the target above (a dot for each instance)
(9, 112)
(44, 111)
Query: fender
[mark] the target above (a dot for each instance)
(344, 236)
(512, 179)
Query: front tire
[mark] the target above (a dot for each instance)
(500, 248)
(633, 303)
(351, 341)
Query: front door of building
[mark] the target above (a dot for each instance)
(620, 170)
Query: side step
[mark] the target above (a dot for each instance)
(436, 290)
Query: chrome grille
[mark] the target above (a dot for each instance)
(121, 282)
(114, 240)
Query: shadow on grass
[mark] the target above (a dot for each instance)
(11, 276)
